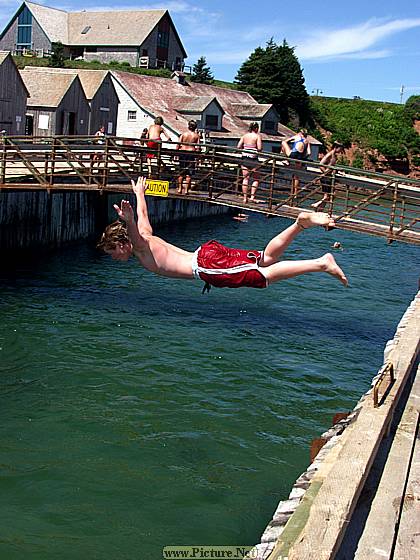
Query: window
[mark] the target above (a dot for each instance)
(163, 39)
(132, 115)
(212, 121)
(86, 29)
(270, 125)
(24, 29)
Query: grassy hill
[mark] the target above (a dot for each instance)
(375, 130)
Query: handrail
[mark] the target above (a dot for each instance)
(377, 204)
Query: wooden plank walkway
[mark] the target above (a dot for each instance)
(316, 530)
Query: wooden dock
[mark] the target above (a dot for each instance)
(361, 497)
(363, 202)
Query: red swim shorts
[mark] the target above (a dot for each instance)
(153, 146)
(223, 267)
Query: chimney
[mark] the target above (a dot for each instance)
(179, 77)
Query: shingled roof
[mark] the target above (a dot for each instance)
(46, 89)
(3, 56)
(52, 21)
(191, 104)
(91, 79)
(250, 110)
(167, 98)
(112, 27)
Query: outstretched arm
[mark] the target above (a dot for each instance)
(143, 223)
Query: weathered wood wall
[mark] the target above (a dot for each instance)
(30, 220)
(13, 97)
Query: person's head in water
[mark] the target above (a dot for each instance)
(115, 242)
(192, 125)
(253, 127)
(159, 121)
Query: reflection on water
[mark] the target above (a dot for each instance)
(139, 413)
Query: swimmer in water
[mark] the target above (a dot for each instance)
(212, 263)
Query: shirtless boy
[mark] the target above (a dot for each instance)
(212, 263)
(188, 146)
(330, 158)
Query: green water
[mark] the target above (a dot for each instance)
(138, 413)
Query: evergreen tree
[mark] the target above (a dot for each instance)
(201, 73)
(57, 56)
(273, 75)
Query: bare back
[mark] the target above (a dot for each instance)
(162, 258)
(187, 139)
(155, 131)
(251, 141)
(329, 159)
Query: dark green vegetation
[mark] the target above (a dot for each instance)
(381, 128)
(57, 59)
(273, 75)
(201, 73)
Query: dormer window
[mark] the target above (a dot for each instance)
(212, 121)
(269, 126)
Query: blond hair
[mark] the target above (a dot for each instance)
(114, 233)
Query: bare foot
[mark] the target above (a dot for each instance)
(319, 204)
(310, 219)
(331, 267)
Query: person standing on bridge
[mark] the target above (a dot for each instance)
(98, 156)
(212, 263)
(188, 145)
(154, 138)
(251, 144)
(326, 179)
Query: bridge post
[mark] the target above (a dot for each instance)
(270, 194)
(3, 162)
(332, 194)
(52, 168)
(393, 212)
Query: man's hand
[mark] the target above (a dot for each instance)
(125, 211)
(140, 186)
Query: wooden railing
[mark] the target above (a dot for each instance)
(362, 201)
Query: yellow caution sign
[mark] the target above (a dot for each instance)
(157, 188)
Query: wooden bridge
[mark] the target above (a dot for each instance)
(370, 203)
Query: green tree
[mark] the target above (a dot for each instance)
(201, 73)
(412, 107)
(57, 59)
(273, 75)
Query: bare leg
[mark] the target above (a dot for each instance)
(180, 181)
(187, 184)
(254, 185)
(279, 244)
(285, 148)
(290, 269)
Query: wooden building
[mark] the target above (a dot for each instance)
(141, 37)
(13, 97)
(57, 104)
(100, 93)
(223, 115)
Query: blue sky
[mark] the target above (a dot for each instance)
(367, 48)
